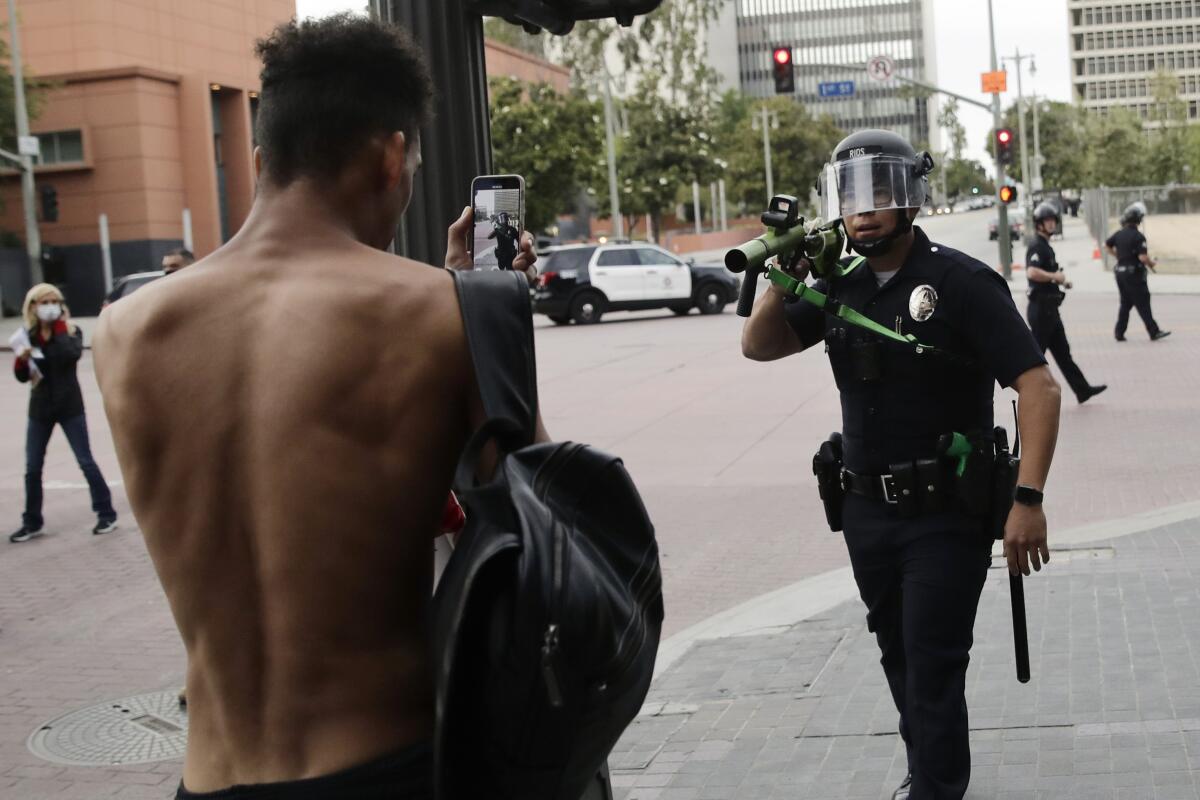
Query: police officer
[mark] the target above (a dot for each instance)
(1045, 296)
(1129, 246)
(919, 570)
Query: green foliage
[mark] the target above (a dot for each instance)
(961, 176)
(1118, 150)
(948, 121)
(800, 146)
(553, 140)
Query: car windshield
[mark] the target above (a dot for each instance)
(572, 258)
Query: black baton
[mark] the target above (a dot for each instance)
(1020, 634)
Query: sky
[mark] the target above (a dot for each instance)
(961, 32)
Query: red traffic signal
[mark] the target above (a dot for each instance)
(785, 75)
(1004, 140)
(1008, 194)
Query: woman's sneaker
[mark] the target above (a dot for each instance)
(104, 526)
(25, 534)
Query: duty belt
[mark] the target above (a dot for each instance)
(876, 487)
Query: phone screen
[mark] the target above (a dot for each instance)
(498, 202)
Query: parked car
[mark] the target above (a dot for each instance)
(581, 283)
(1015, 226)
(129, 284)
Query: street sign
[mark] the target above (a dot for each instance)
(836, 89)
(29, 146)
(881, 68)
(995, 82)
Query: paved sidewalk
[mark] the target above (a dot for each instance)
(1112, 711)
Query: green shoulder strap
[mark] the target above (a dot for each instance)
(853, 265)
(831, 306)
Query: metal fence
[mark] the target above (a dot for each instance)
(1172, 220)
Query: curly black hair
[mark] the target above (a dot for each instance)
(329, 85)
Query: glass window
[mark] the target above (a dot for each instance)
(574, 258)
(652, 257)
(61, 147)
(618, 257)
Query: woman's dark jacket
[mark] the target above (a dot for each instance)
(57, 395)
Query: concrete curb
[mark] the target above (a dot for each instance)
(804, 599)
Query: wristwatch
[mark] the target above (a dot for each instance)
(1028, 496)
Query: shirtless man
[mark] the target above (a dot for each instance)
(290, 463)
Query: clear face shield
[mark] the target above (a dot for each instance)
(865, 183)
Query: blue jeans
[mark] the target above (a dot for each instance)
(37, 437)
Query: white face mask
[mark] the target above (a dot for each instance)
(49, 312)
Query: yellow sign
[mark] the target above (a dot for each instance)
(995, 82)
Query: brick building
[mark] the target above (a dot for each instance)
(151, 115)
(150, 122)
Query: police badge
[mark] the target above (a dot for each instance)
(922, 302)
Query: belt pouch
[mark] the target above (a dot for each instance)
(929, 482)
(908, 496)
(827, 466)
(974, 486)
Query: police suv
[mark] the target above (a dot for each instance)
(583, 282)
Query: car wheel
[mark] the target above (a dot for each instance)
(557, 320)
(681, 310)
(587, 308)
(710, 299)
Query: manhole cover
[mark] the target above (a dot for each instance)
(132, 730)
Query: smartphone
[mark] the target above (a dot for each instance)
(498, 203)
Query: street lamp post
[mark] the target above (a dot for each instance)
(1003, 238)
(768, 120)
(33, 239)
(1026, 174)
(610, 125)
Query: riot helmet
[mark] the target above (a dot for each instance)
(874, 170)
(1134, 214)
(1046, 211)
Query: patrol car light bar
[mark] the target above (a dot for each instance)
(559, 16)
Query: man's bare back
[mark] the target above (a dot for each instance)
(287, 415)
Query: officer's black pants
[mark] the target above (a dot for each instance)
(1047, 326)
(920, 580)
(1134, 294)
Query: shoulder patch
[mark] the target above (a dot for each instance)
(1035, 259)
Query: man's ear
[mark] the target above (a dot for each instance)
(395, 157)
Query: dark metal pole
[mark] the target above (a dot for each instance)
(457, 145)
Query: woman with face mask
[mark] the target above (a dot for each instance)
(49, 362)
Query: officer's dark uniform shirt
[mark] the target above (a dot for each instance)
(1130, 244)
(896, 403)
(1041, 255)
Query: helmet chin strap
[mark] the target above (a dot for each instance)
(883, 245)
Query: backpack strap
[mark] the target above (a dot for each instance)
(498, 321)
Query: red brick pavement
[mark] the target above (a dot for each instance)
(720, 446)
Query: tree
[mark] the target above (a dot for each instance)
(1117, 149)
(800, 146)
(36, 94)
(549, 138)
(1064, 132)
(665, 148)
(948, 121)
(1169, 139)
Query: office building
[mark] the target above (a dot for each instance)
(832, 41)
(1117, 48)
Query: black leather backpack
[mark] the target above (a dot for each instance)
(548, 616)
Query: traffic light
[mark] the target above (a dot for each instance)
(49, 197)
(785, 73)
(1008, 194)
(1004, 140)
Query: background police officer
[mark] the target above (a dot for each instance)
(1045, 296)
(920, 575)
(1129, 246)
